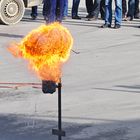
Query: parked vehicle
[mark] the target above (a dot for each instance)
(12, 11)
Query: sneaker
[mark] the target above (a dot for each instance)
(117, 26)
(76, 17)
(106, 25)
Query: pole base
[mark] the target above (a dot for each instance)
(58, 132)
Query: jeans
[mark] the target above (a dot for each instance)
(131, 8)
(34, 11)
(56, 10)
(65, 12)
(118, 11)
(46, 8)
(75, 6)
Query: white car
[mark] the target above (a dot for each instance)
(12, 11)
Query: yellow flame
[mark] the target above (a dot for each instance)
(46, 48)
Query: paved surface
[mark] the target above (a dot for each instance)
(101, 85)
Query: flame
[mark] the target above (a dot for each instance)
(46, 48)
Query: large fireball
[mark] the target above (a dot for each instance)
(46, 49)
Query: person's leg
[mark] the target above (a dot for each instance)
(118, 13)
(65, 13)
(34, 12)
(124, 8)
(46, 9)
(52, 13)
(108, 12)
(59, 10)
(102, 9)
(75, 6)
(96, 8)
(136, 13)
(131, 9)
(89, 7)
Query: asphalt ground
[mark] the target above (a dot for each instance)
(101, 84)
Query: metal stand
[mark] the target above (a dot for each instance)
(59, 132)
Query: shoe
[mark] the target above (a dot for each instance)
(92, 18)
(137, 16)
(102, 17)
(89, 16)
(46, 18)
(129, 18)
(76, 17)
(106, 25)
(33, 17)
(65, 17)
(124, 17)
(117, 26)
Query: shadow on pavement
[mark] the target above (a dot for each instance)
(21, 127)
(11, 35)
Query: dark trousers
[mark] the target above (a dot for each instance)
(131, 8)
(34, 11)
(102, 9)
(136, 8)
(46, 8)
(124, 8)
(89, 6)
(96, 7)
(75, 6)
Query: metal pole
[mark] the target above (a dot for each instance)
(59, 132)
(59, 109)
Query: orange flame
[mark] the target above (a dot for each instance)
(46, 49)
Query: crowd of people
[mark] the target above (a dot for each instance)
(57, 10)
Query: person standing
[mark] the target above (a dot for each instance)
(131, 10)
(124, 10)
(53, 10)
(136, 13)
(102, 9)
(65, 12)
(46, 9)
(34, 12)
(75, 6)
(96, 9)
(89, 7)
(108, 14)
(56, 10)
(93, 9)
